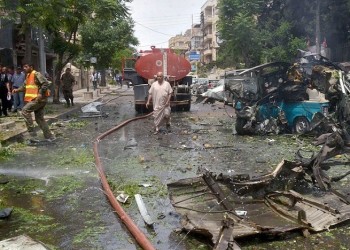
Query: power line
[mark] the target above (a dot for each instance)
(153, 29)
(161, 18)
(166, 24)
(153, 44)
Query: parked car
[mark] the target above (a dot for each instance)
(199, 86)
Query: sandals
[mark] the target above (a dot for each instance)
(157, 131)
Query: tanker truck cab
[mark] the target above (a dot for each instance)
(141, 71)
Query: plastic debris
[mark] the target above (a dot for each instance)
(5, 213)
(91, 107)
(145, 215)
(145, 185)
(122, 198)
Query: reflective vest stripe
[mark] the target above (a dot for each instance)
(31, 88)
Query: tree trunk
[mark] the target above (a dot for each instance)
(57, 79)
(103, 78)
(28, 44)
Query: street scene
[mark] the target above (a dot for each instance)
(112, 140)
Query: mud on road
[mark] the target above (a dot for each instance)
(57, 197)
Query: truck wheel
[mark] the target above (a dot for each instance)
(139, 108)
(301, 125)
(187, 107)
(240, 122)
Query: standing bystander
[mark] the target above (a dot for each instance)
(18, 81)
(160, 94)
(94, 80)
(36, 93)
(5, 91)
(120, 80)
(10, 72)
(67, 81)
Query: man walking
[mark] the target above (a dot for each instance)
(18, 81)
(160, 93)
(94, 80)
(36, 93)
(67, 81)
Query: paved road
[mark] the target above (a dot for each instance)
(56, 188)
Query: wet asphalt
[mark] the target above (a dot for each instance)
(57, 197)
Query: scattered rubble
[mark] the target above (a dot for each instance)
(224, 208)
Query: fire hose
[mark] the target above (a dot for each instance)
(139, 236)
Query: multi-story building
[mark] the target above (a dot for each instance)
(13, 46)
(196, 37)
(180, 43)
(209, 19)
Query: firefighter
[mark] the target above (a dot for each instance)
(36, 90)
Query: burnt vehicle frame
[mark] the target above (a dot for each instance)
(281, 87)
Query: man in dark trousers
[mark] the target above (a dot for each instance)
(5, 91)
(67, 81)
(36, 93)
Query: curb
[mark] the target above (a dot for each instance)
(19, 136)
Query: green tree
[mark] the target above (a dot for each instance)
(120, 55)
(63, 20)
(103, 38)
(239, 31)
(280, 27)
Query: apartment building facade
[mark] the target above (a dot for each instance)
(209, 20)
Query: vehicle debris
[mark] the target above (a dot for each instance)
(237, 206)
(281, 97)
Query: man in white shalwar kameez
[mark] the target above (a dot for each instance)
(160, 94)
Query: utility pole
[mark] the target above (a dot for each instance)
(42, 55)
(318, 35)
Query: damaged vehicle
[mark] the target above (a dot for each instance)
(199, 86)
(281, 97)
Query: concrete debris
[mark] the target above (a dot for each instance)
(22, 242)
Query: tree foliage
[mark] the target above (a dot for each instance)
(259, 31)
(66, 21)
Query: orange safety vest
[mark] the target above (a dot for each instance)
(32, 89)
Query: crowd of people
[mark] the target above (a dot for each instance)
(27, 90)
(11, 79)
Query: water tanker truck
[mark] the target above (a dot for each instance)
(144, 66)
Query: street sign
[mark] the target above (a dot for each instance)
(194, 56)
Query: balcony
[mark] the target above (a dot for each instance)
(208, 20)
(208, 37)
(207, 52)
(209, 4)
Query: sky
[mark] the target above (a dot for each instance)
(156, 21)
